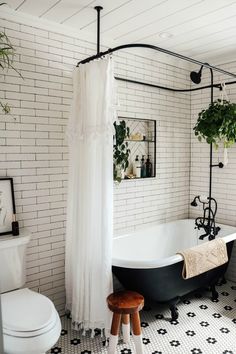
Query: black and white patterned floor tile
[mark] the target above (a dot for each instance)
(203, 327)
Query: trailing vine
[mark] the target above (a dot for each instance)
(121, 151)
(7, 53)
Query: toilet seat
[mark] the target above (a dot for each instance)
(26, 313)
(31, 324)
(32, 345)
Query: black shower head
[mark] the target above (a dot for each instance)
(196, 76)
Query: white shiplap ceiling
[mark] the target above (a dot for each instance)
(202, 29)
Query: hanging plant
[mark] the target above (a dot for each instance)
(217, 124)
(7, 53)
(121, 151)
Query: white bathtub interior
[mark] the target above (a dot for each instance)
(157, 245)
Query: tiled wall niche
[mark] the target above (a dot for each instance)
(142, 144)
(33, 149)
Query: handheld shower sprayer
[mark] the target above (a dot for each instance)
(201, 198)
(194, 202)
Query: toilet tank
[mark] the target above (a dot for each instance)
(12, 261)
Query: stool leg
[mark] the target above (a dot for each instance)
(115, 326)
(126, 328)
(137, 334)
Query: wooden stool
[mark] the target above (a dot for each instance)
(125, 304)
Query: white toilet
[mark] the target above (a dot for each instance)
(31, 324)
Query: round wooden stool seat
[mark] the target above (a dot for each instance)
(125, 302)
(125, 305)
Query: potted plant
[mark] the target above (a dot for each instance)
(121, 151)
(217, 124)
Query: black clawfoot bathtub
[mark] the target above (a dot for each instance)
(146, 261)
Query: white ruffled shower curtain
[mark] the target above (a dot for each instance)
(90, 195)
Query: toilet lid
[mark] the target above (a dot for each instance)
(26, 311)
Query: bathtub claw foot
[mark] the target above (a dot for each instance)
(214, 293)
(173, 308)
(174, 313)
(221, 281)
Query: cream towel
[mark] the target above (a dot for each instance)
(201, 258)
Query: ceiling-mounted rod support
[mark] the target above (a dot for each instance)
(158, 49)
(98, 9)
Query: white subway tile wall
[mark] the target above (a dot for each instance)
(162, 198)
(33, 148)
(224, 181)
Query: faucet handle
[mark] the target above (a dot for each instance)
(203, 236)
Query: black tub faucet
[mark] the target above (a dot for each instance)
(207, 221)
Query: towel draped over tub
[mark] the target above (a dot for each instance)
(204, 257)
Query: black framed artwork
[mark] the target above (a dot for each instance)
(7, 205)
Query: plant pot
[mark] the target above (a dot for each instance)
(119, 173)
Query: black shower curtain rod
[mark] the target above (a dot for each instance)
(168, 52)
(159, 49)
(218, 86)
